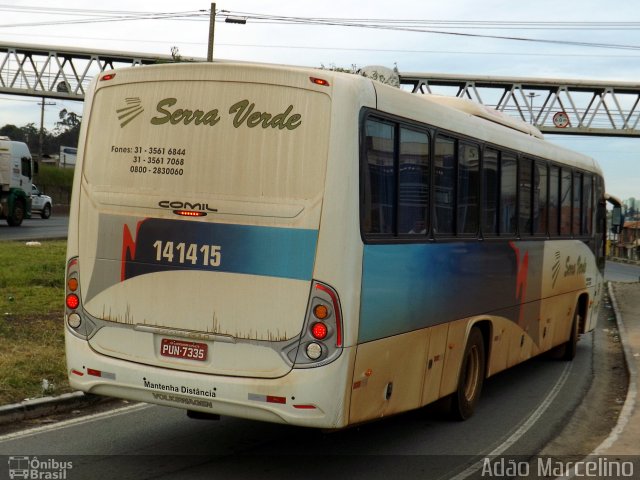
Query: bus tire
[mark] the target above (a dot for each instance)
(570, 348)
(471, 377)
(567, 351)
(15, 219)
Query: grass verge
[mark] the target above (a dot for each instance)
(31, 320)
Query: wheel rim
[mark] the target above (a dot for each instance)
(472, 373)
(18, 212)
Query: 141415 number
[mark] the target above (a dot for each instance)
(183, 253)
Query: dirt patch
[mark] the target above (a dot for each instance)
(598, 413)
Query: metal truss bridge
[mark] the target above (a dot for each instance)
(576, 107)
(60, 72)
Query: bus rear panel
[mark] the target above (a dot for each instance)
(193, 248)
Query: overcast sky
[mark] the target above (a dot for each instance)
(314, 45)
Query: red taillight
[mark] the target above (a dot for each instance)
(336, 311)
(108, 76)
(319, 331)
(319, 81)
(72, 301)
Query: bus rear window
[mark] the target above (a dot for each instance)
(263, 142)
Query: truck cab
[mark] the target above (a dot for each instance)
(16, 172)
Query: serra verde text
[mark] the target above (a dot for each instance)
(243, 114)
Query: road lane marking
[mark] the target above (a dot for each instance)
(73, 421)
(523, 428)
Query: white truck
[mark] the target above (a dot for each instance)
(16, 167)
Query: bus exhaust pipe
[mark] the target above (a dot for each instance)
(202, 415)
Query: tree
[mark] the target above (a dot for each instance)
(28, 134)
(13, 132)
(67, 130)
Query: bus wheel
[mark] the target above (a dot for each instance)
(471, 377)
(567, 351)
(15, 219)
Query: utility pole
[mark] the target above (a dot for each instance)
(212, 27)
(42, 126)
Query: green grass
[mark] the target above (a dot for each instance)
(50, 175)
(31, 320)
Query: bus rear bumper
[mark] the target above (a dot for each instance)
(305, 397)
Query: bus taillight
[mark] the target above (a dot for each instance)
(72, 301)
(319, 331)
(77, 320)
(321, 341)
(336, 310)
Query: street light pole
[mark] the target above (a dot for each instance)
(212, 27)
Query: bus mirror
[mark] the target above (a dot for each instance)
(616, 216)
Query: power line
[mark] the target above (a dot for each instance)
(110, 17)
(404, 25)
(433, 23)
(340, 48)
(385, 25)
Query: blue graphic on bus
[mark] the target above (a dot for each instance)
(164, 245)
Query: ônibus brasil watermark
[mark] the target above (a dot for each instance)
(34, 468)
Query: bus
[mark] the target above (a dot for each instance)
(316, 248)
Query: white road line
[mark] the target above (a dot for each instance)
(73, 421)
(523, 428)
(632, 390)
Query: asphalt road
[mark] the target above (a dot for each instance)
(36, 228)
(621, 272)
(519, 412)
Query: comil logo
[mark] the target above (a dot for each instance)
(132, 109)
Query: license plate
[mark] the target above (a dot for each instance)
(183, 349)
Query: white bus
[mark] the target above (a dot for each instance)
(315, 248)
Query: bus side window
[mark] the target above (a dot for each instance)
(379, 187)
(445, 184)
(490, 191)
(577, 204)
(508, 187)
(468, 183)
(540, 198)
(587, 204)
(413, 182)
(554, 200)
(525, 191)
(565, 202)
